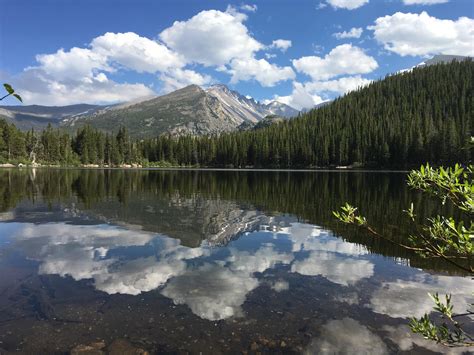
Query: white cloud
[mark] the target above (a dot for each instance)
(341, 86)
(422, 34)
(338, 269)
(211, 37)
(280, 285)
(249, 8)
(212, 292)
(136, 53)
(403, 299)
(347, 4)
(299, 98)
(307, 95)
(179, 78)
(38, 87)
(217, 291)
(321, 5)
(343, 59)
(407, 340)
(261, 70)
(346, 336)
(264, 258)
(282, 44)
(80, 74)
(354, 32)
(424, 2)
(78, 63)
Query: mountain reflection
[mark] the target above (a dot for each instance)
(217, 206)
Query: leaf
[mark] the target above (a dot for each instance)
(18, 97)
(9, 88)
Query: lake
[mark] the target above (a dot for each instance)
(213, 262)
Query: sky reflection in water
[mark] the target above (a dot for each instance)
(214, 281)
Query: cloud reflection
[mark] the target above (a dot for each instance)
(346, 336)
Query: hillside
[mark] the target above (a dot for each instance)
(38, 117)
(190, 110)
(421, 115)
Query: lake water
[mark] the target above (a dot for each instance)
(212, 262)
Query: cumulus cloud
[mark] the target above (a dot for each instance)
(81, 252)
(217, 291)
(211, 292)
(307, 95)
(267, 74)
(354, 32)
(338, 269)
(137, 53)
(211, 37)
(342, 60)
(81, 74)
(422, 34)
(347, 4)
(77, 63)
(299, 98)
(38, 87)
(424, 2)
(346, 336)
(221, 39)
(179, 78)
(341, 86)
(282, 44)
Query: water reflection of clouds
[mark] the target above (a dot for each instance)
(349, 336)
(403, 299)
(338, 269)
(215, 282)
(346, 336)
(215, 288)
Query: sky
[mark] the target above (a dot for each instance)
(299, 52)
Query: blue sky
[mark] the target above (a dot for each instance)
(298, 52)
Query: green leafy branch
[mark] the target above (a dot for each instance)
(450, 332)
(10, 91)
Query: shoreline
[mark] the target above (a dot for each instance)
(314, 170)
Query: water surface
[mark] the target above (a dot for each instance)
(212, 262)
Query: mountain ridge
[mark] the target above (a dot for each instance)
(189, 110)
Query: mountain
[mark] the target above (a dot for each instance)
(247, 108)
(185, 111)
(38, 117)
(443, 58)
(282, 110)
(190, 110)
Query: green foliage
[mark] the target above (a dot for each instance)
(441, 237)
(56, 147)
(454, 184)
(450, 332)
(348, 214)
(10, 91)
(9, 88)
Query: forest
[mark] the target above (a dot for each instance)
(422, 115)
